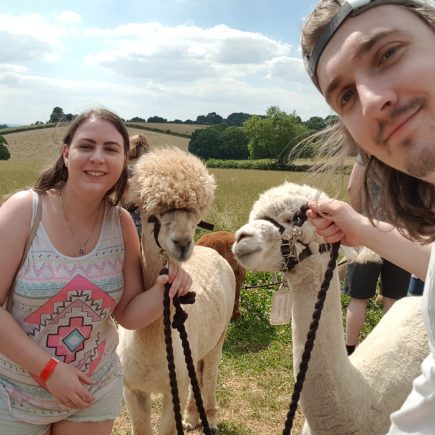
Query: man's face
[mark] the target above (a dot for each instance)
(378, 74)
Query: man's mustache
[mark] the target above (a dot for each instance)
(396, 113)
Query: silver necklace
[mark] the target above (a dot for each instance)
(81, 245)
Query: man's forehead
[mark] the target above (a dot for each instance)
(348, 9)
(358, 35)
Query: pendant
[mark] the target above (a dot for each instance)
(82, 250)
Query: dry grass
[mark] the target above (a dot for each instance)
(173, 128)
(45, 143)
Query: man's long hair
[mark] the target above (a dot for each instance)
(407, 202)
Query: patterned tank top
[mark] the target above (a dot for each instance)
(65, 304)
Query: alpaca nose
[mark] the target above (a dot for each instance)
(182, 244)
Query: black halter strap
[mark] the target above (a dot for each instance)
(157, 226)
(288, 251)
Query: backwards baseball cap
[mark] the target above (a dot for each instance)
(350, 8)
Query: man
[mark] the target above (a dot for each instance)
(374, 63)
(361, 280)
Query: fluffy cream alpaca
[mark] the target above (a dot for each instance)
(340, 395)
(175, 187)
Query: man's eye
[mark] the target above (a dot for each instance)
(389, 52)
(346, 96)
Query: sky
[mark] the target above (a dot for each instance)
(177, 59)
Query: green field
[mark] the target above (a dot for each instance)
(255, 380)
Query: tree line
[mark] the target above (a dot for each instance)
(274, 136)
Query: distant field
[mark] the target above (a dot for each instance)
(174, 128)
(44, 144)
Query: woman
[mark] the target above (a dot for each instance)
(59, 372)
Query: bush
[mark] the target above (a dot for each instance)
(4, 152)
(263, 164)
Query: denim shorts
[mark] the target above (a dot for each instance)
(106, 408)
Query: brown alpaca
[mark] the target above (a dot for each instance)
(222, 241)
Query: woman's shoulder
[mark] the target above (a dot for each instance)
(21, 201)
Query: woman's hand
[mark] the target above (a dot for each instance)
(180, 280)
(66, 385)
(336, 221)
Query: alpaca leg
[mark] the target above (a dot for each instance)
(240, 276)
(209, 382)
(139, 409)
(167, 419)
(191, 416)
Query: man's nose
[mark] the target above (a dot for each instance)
(376, 98)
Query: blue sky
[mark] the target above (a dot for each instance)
(173, 58)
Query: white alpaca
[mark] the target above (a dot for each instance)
(175, 187)
(340, 395)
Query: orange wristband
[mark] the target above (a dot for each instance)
(48, 369)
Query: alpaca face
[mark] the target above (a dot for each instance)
(257, 246)
(258, 243)
(176, 236)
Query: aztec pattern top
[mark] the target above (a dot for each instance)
(65, 304)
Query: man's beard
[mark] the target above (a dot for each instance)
(420, 164)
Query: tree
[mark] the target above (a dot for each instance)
(275, 135)
(315, 123)
(57, 115)
(233, 144)
(237, 119)
(219, 142)
(4, 152)
(204, 142)
(210, 119)
(156, 119)
(137, 119)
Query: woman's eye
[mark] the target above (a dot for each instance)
(85, 146)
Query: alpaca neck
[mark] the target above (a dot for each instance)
(152, 260)
(331, 381)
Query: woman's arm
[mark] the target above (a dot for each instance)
(337, 221)
(138, 308)
(65, 383)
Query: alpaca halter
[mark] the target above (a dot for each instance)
(157, 224)
(288, 247)
(350, 8)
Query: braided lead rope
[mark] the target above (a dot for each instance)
(178, 323)
(170, 359)
(299, 219)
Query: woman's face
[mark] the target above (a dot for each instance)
(95, 157)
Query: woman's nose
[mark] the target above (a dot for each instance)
(97, 155)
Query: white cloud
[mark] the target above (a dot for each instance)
(146, 69)
(27, 37)
(185, 53)
(68, 17)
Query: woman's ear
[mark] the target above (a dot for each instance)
(65, 153)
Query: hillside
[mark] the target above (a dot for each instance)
(44, 144)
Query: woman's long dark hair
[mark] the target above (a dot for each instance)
(56, 176)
